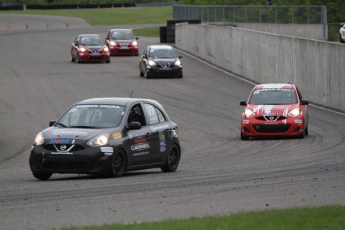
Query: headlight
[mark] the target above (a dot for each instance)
(99, 140)
(39, 139)
(294, 113)
(135, 43)
(112, 43)
(82, 49)
(106, 49)
(178, 62)
(249, 112)
(152, 63)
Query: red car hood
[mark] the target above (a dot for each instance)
(272, 110)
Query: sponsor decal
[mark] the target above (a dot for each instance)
(162, 142)
(107, 149)
(71, 132)
(141, 153)
(117, 135)
(97, 106)
(59, 141)
(139, 140)
(61, 153)
(245, 121)
(108, 154)
(141, 146)
(298, 121)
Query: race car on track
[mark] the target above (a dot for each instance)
(342, 34)
(89, 48)
(160, 61)
(274, 110)
(122, 42)
(107, 137)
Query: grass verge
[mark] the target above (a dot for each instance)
(320, 218)
(116, 16)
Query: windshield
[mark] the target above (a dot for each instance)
(273, 96)
(91, 41)
(122, 35)
(92, 116)
(162, 53)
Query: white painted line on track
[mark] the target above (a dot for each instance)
(242, 79)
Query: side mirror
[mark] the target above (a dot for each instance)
(243, 103)
(180, 56)
(304, 102)
(51, 123)
(136, 38)
(134, 125)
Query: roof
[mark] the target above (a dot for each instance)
(161, 47)
(274, 85)
(114, 100)
(89, 35)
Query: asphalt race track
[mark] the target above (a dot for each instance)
(218, 173)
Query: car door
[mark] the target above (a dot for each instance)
(74, 49)
(140, 141)
(143, 61)
(159, 131)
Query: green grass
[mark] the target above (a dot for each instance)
(323, 218)
(116, 16)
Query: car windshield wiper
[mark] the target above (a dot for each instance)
(60, 124)
(84, 127)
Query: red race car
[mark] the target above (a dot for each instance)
(89, 48)
(122, 42)
(274, 110)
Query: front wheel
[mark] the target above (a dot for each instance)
(42, 176)
(118, 165)
(173, 159)
(244, 138)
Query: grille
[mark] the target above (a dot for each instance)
(271, 128)
(74, 149)
(124, 50)
(273, 118)
(95, 57)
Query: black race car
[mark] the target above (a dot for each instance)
(107, 137)
(160, 61)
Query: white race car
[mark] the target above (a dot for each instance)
(342, 34)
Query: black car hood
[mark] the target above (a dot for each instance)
(72, 133)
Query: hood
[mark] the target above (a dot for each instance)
(94, 48)
(272, 110)
(72, 133)
(158, 60)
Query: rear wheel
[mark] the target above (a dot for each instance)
(118, 165)
(42, 176)
(173, 159)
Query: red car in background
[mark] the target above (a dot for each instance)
(122, 42)
(89, 48)
(274, 110)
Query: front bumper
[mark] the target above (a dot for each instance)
(155, 71)
(88, 161)
(119, 51)
(87, 57)
(255, 128)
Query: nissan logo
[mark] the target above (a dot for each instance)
(165, 64)
(63, 147)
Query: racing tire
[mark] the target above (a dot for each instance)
(180, 76)
(146, 75)
(107, 61)
(141, 74)
(118, 165)
(173, 159)
(244, 138)
(302, 135)
(42, 176)
(78, 60)
(306, 132)
(72, 59)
